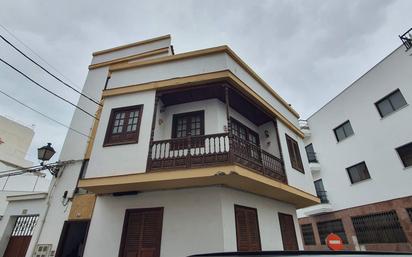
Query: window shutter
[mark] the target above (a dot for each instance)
(287, 229)
(142, 233)
(247, 229)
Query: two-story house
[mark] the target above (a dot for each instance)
(359, 146)
(189, 153)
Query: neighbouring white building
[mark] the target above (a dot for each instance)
(15, 140)
(190, 153)
(21, 196)
(359, 146)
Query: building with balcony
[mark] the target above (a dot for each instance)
(189, 153)
(359, 149)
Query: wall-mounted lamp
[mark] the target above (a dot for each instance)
(44, 154)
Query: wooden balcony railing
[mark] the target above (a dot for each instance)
(214, 149)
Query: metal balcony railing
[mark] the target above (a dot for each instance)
(407, 39)
(322, 196)
(312, 157)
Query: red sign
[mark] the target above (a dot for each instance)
(334, 242)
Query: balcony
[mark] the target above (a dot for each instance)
(322, 196)
(213, 150)
(406, 39)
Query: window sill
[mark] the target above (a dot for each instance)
(120, 143)
(360, 182)
(397, 110)
(345, 138)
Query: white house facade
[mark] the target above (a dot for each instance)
(189, 153)
(359, 146)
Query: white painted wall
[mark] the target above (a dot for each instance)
(15, 209)
(132, 51)
(267, 211)
(374, 140)
(16, 140)
(197, 220)
(191, 221)
(122, 159)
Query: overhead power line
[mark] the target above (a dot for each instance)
(38, 56)
(44, 88)
(48, 72)
(44, 115)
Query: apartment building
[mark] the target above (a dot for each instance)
(15, 140)
(359, 148)
(190, 153)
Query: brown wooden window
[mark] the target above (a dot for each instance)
(332, 226)
(124, 125)
(381, 227)
(190, 123)
(343, 131)
(287, 229)
(245, 136)
(294, 154)
(142, 233)
(247, 229)
(390, 103)
(405, 153)
(307, 234)
(358, 172)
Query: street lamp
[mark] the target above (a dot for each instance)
(44, 154)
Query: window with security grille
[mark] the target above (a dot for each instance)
(24, 225)
(124, 124)
(409, 210)
(390, 103)
(332, 226)
(307, 233)
(383, 227)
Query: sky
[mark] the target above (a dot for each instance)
(307, 50)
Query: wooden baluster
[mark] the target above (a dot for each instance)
(189, 149)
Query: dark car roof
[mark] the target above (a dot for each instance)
(290, 253)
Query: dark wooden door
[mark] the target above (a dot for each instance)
(247, 229)
(17, 246)
(20, 236)
(287, 229)
(73, 239)
(142, 233)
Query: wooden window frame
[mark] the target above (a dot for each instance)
(125, 224)
(341, 126)
(387, 97)
(257, 223)
(357, 164)
(294, 147)
(188, 128)
(248, 130)
(123, 140)
(401, 156)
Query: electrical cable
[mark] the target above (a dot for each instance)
(36, 54)
(48, 72)
(44, 115)
(44, 88)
